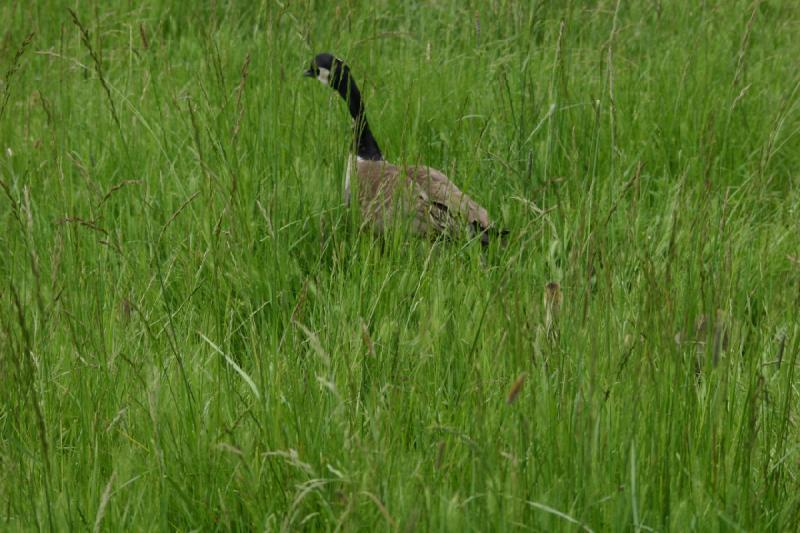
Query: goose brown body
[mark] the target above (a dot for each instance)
(423, 196)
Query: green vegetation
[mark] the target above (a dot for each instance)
(196, 334)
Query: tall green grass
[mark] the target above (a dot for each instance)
(196, 334)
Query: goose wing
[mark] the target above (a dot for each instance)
(440, 191)
(434, 204)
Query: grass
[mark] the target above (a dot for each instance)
(197, 335)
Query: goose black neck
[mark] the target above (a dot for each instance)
(365, 144)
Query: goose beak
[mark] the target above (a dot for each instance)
(309, 73)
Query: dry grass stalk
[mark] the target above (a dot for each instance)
(367, 339)
(720, 336)
(98, 66)
(552, 309)
(176, 213)
(13, 70)
(741, 65)
(516, 388)
(239, 93)
(143, 35)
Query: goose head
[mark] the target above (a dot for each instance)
(329, 70)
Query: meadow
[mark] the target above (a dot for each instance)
(195, 333)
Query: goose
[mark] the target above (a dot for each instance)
(433, 205)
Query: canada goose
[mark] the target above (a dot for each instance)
(433, 204)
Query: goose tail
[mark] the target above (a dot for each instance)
(490, 234)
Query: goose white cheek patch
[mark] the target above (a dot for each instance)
(324, 75)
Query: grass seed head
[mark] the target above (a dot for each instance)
(516, 388)
(552, 307)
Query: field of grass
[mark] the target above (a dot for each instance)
(196, 334)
